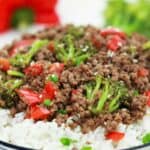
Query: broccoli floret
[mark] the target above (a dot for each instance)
(146, 46)
(77, 32)
(21, 60)
(93, 88)
(102, 99)
(67, 52)
(15, 73)
(104, 90)
(119, 91)
(7, 92)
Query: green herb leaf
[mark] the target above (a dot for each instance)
(146, 138)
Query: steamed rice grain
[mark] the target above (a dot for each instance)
(46, 135)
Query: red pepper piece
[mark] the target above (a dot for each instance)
(56, 68)
(147, 93)
(20, 44)
(51, 46)
(113, 31)
(28, 96)
(43, 11)
(148, 102)
(74, 91)
(115, 136)
(38, 113)
(34, 70)
(49, 91)
(114, 43)
(143, 72)
(96, 42)
(4, 64)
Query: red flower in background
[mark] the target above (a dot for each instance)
(20, 13)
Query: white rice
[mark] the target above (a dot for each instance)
(46, 135)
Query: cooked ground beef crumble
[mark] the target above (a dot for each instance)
(79, 67)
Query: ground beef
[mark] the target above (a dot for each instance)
(70, 97)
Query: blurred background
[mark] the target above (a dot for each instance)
(19, 16)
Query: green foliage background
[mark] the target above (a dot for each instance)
(129, 16)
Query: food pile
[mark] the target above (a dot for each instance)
(96, 77)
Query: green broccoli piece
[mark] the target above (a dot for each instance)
(103, 98)
(103, 90)
(93, 88)
(21, 60)
(11, 85)
(77, 32)
(67, 52)
(15, 73)
(146, 46)
(7, 92)
(119, 91)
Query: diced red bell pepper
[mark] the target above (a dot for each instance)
(4, 64)
(148, 102)
(74, 91)
(114, 43)
(143, 72)
(56, 68)
(51, 46)
(115, 136)
(28, 96)
(113, 31)
(147, 93)
(49, 91)
(19, 45)
(96, 42)
(38, 113)
(34, 70)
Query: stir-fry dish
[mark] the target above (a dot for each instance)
(97, 77)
